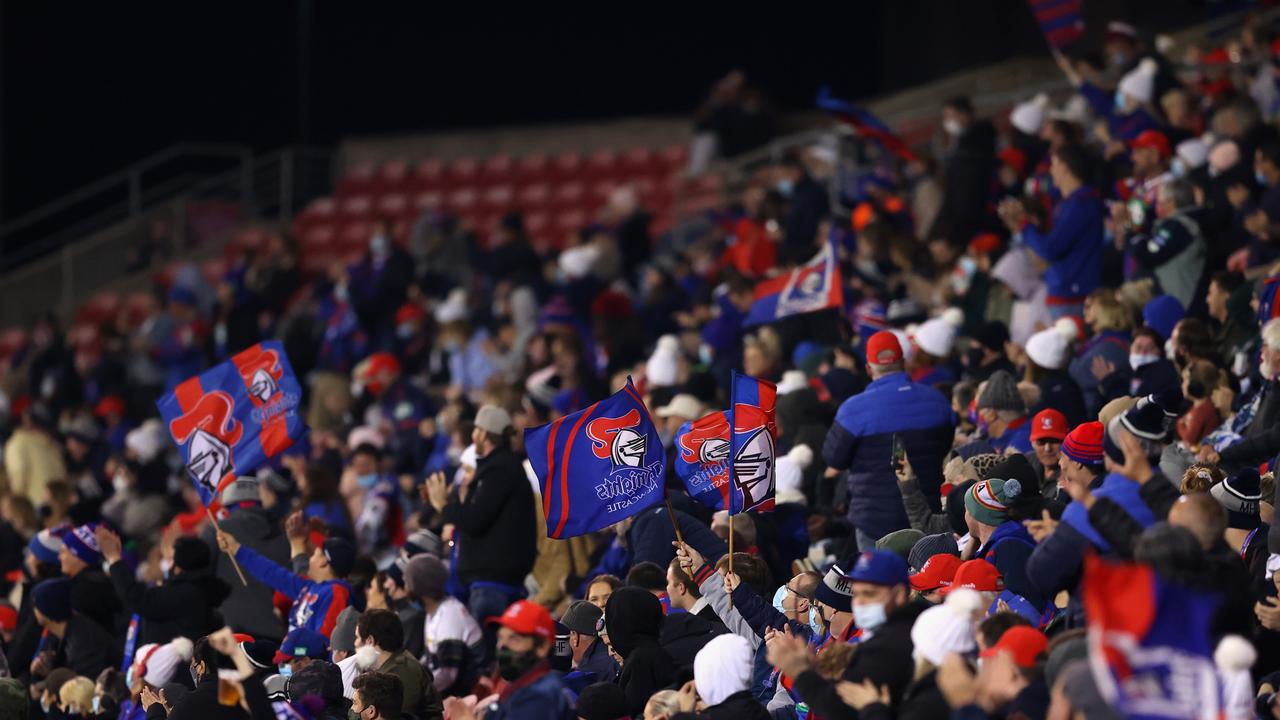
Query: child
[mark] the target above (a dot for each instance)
(1199, 380)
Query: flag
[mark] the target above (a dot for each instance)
(814, 286)
(1060, 21)
(1149, 646)
(597, 466)
(864, 123)
(234, 417)
(751, 444)
(702, 459)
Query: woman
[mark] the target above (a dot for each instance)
(722, 680)
(1110, 323)
(1047, 355)
(319, 497)
(1199, 380)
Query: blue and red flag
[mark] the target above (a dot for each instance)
(864, 123)
(702, 459)
(599, 465)
(1060, 21)
(234, 417)
(814, 286)
(752, 444)
(1149, 647)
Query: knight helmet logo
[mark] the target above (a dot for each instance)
(753, 468)
(208, 431)
(263, 386)
(706, 441)
(715, 450)
(619, 439)
(261, 370)
(1046, 423)
(210, 460)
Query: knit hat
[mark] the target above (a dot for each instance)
(988, 501)
(1001, 393)
(425, 576)
(884, 349)
(929, 546)
(341, 555)
(790, 474)
(244, 489)
(320, 679)
(936, 336)
(261, 653)
(423, 541)
(945, 629)
(602, 701)
(663, 366)
(45, 546)
(1084, 443)
(493, 419)
(992, 335)
(1240, 495)
(979, 467)
(157, 664)
(83, 544)
(1194, 152)
(722, 668)
(191, 554)
(900, 542)
(792, 380)
(937, 572)
(144, 442)
(53, 599)
(1147, 419)
(1048, 424)
(1049, 349)
(1139, 83)
(1162, 313)
(1028, 116)
(834, 590)
(343, 636)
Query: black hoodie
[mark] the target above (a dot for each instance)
(185, 605)
(633, 620)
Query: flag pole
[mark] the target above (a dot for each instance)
(234, 564)
(671, 512)
(731, 556)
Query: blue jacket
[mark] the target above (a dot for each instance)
(1125, 493)
(861, 441)
(1009, 548)
(651, 535)
(1122, 127)
(1014, 440)
(1073, 247)
(316, 605)
(543, 698)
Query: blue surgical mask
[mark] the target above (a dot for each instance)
(96, 706)
(778, 597)
(1178, 167)
(1262, 179)
(816, 623)
(1120, 101)
(785, 186)
(870, 617)
(285, 670)
(367, 481)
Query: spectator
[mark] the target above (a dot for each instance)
(454, 647)
(381, 630)
(1048, 429)
(1003, 412)
(91, 591)
(967, 169)
(32, 459)
(380, 692)
(75, 641)
(633, 620)
(300, 649)
(722, 678)
(248, 607)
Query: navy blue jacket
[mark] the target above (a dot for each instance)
(1073, 248)
(651, 535)
(861, 441)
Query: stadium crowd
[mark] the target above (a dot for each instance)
(1065, 319)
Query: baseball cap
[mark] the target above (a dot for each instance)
(884, 349)
(1048, 424)
(1025, 644)
(581, 617)
(301, 643)
(880, 567)
(682, 405)
(938, 572)
(977, 575)
(527, 618)
(1153, 139)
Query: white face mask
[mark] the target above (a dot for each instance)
(870, 617)
(380, 245)
(1169, 349)
(120, 482)
(952, 127)
(1137, 360)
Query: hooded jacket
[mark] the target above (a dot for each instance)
(633, 619)
(684, 634)
(248, 608)
(722, 674)
(497, 532)
(184, 605)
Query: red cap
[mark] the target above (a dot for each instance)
(1014, 158)
(379, 362)
(977, 575)
(409, 312)
(109, 405)
(1152, 139)
(8, 617)
(938, 571)
(1048, 424)
(527, 618)
(884, 349)
(985, 243)
(862, 216)
(1023, 643)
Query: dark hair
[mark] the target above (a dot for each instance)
(960, 103)
(1073, 157)
(995, 626)
(1066, 129)
(613, 581)
(368, 449)
(647, 575)
(1149, 332)
(1269, 149)
(1173, 552)
(1228, 280)
(383, 628)
(683, 578)
(322, 487)
(383, 691)
(203, 652)
(1195, 338)
(751, 570)
(114, 689)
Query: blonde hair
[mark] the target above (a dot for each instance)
(76, 695)
(665, 702)
(1199, 478)
(1108, 313)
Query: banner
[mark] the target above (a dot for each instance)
(864, 124)
(234, 417)
(1060, 21)
(814, 286)
(599, 465)
(702, 459)
(752, 444)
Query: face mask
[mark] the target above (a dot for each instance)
(1169, 350)
(1137, 360)
(870, 617)
(44, 705)
(778, 597)
(512, 665)
(1120, 101)
(404, 332)
(1262, 179)
(817, 623)
(286, 670)
(368, 481)
(380, 245)
(1178, 167)
(704, 354)
(1119, 60)
(120, 482)
(340, 293)
(785, 186)
(96, 706)
(128, 677)
(952, 127)
(166, 566)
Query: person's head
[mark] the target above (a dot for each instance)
(110, 690)
(317, 483)
(884, 354)
(1175, 196)
(425, 576)
(600, 588)
(1270, 355)
(300, 648)
(879, 584)
(79, 550)
(190, 555)
(1068, 167)
(751, 569)
(1200, 378)
(366, 461)
(204, 660)
(1103, 311)
(380, 629)
(1191, 339)
(1048, 429)
(526, 634)
(994, 626)
(331, 560)
(957, 114)
(1173, 551)
(1221, 286)
(377, 696)
(1120, 44)
(76, 696)
(662, 705)
(1013, 662)
(376, 373)
(648, 575)
(681, 589)
(1146, 343)
(581, 619)
(722, 668)
(1200, 478)
(999, 402)
(1266, 160)
(1150, 153)
(936, 574)
(492, 430)
(51, 600)
(757, 359)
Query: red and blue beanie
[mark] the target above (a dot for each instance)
(83, 544)
(45, 545)
(1084, 443)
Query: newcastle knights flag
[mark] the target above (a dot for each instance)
(599, 465)
(1060, 21)
(864, 124)
(751, 444)
(814, 286)
(234, 417)
(1149, 647)
(702, 459)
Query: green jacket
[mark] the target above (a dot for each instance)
(420, 696)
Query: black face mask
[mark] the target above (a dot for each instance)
(973, 358)
(512, 665)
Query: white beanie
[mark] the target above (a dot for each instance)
(365, 435)
(1029, 116)
(790, 474)
(946, 628)
(454, 307)
(904, 341)
(663, 366)
(159, 663)
(792, 380)
(1048, 348)
(1233, 658)
(145, 442)
(1194, 152)
(722, 668)
(936, 336)
(1139, 83)
(578, 262)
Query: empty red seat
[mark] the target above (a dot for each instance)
(534, 168)
(428, 174)
(83, 336)
(499, 199)
(320, 238)
(358, 179)
(138, 306)
(214, 270)
(601, 190)
(637, 161)
(537, 223)
(569, 195)
(354, 235)
(567, 167)
(463, 171)
(674, 156)
(428, 200)
(498, 169)
(99, 308)
(12, 340)
(602, 163)
(462, 200)
(318, 263)
(535, 196)
(356, 207)
(570, 221)
(394, 205)
(392, 177)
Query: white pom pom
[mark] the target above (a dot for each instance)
(1067, 328)
(183, 647)
(1234, 653)
(801, 455)
(965, 601)
(1041, 99)
(1148, 66)
(953, 316)
(668, 345)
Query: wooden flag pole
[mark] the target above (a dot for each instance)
(730, 556)
(674, 523)
(234, 564)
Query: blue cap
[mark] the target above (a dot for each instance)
(302, 643)
(880, 567)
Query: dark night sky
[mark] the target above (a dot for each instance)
(89, 88)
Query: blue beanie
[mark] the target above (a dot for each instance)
(46, 545)
(1162, 313)
(83, 544)
(53, 599)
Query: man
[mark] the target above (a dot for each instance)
(986, 353)
(74, 640)
(1003, 411)
(970, 164)
(184, 605)
(378, 696)
(937, 574)
(1003, 542)
(1262, 437)
(91, 591)
(685, 629)
(861, 441)
(300, 648)
(248, 608)
(494, 517)
(683, 408)
(1073, 248)
(882, 610)
(1048, 428)
(1010, 679)
(580, 620)
(1080, 462)
(381, 630)
(400, 601)
(1228, 306)
(1139, 193)
(526, 633)
(317, 598)
(684, 593)
(453, 642)
(1262, 218)
(1174, 251)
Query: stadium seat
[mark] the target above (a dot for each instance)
(537, 223)
(570, 221)
(83, 336)
(428, 175)
(392, 177)
(534, 197)
(138, 306)
(428, 200)
(534, 168)
(357, 180)
(354, 235)
(499, 199)
(462, 200)
(214, 270)
(497, 169)
(320, 238)
(463, 171)
(356, 207)
(638, 161)
(393, 205)
(567, 167)
(12, 340)
(569, 195)
(674, 157)
(99, 308)
(602, 163)
(318, 263)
